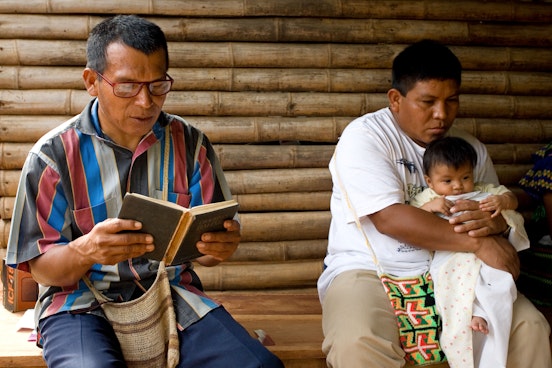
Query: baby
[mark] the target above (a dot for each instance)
(475, 287)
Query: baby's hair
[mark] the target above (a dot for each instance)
(449, 151)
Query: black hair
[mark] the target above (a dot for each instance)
(449, 151)
(423, 61)
(130, 30)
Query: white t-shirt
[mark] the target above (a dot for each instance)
(379, 165)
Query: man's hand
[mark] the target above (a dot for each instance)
(475, 222)
(109, 242)
(498, 253)
(112, 241)
(494, 250)
(219, 246)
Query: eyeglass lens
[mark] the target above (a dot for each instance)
(131, 89)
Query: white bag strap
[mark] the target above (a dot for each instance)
(353, 211)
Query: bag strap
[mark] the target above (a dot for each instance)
(99, 296)
(357, 221)
(353, 211)
(102, 298)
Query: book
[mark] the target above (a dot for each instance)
(176, 229)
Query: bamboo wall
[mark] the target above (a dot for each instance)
(273, 84)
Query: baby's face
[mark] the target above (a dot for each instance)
(445, 180)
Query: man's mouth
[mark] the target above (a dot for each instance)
(143, 119)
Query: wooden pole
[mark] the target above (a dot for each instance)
(252, 157)
(239, 157)
(280, 251)
(9, 179)
(281, 79)
(428, 9)
(290, 201)
(262, 202)
(12, 155)
(350, 30)
(278, 180)
(280, 55)
(277, 226)
(4, 233)
(27, 128)
(251, 129)
(240, 181)
(260, 275)
(6, 207)
(71, 102)
(276, 202)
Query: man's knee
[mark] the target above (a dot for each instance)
(352, 350)
(527, 317)
(80, 341)
(529, 341)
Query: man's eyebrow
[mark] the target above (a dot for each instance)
(124, 79)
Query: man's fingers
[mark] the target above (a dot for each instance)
(465, 205)
(474, 228)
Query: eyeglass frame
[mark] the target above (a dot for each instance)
(142, 84)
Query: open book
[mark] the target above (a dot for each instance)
(176, 229)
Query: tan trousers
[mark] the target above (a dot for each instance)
(360, 329)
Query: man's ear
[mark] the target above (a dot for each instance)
(394, 97)
(90, 77)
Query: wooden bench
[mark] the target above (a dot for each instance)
(291, 318)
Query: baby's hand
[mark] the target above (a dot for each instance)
(492, 203)
(438, 205)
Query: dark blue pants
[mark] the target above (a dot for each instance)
(88, 341)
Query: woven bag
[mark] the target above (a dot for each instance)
(146, 326)
(413, 300)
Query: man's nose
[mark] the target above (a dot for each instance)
(440, 111)
(144, 96)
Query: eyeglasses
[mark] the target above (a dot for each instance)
(131, 89)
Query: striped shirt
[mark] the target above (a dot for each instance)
(74, 178)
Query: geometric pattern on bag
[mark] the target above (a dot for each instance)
(413, 300)
(146, 326)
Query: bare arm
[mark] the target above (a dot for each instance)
(405, 223)
(64, 265)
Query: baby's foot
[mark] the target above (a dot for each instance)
(479, 324)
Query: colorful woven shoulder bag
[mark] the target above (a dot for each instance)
(413, 300)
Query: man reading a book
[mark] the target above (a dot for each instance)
(65, 223)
